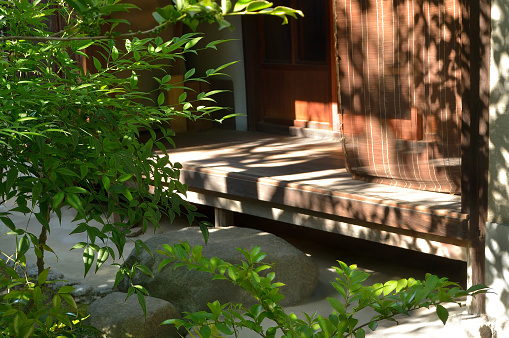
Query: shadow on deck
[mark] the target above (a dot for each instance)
(303, 181)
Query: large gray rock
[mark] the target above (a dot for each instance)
(116, 317)
(191, 290)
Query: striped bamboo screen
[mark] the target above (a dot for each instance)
(400, 85)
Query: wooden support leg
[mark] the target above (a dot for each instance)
(222, 217)
(476, 265)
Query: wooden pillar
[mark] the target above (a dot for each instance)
(222, 217)
(475, 137)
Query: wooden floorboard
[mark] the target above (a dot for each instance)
(309, 174)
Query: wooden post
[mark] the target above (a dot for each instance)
(222, 217)
(475, 136)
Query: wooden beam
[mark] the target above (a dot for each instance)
(330, 223)
(440, 223)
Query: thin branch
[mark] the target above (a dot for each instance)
(81, 38)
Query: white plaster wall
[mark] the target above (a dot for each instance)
(226, 52)
(497, 229)
(497, 270)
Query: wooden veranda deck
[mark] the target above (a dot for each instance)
(303, 181)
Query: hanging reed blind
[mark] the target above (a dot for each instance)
(400, 85)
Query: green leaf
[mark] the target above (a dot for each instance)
(158, 17)
(97, 63)
(12, 176)
(402, 283)
(240, 5)
(76, 190)
(79, 245)
(442, 313)
(140, 243)
(373, 325)
(211, 72)
(189, 73)
(83, 171)
(43, 276)
(163, 263)
(360, 333)
(18, 232)
(192, 43)
(141, 300)
(11, 272)
(106, 182)
(36, 191)
(337, 305)
(114, 53)
(145, 270)
(102, 256)
(79, 5)
(205, 331)
(57, 199)
(224, 329)
(204, 228)
(28, 328)
(390, 286)
(41, 217)
(64, 319)
(258, 5)
(88, 258)
(213, 44)
(160, 99)
(325, 325)
(65, 289)
(66, 172)
(75, 202)
(47, 248)
(22, 247)
(7, 221)
(476, 287)
(56, 302)
(119, 277)
(38, 252)
(133, 80)
(84, 44)
(124, 177)
(37, 294)
(223, 24)
(231, 274)
(68, 299)
(182, 97)
(128, 195)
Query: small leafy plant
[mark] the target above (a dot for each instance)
(29, 308)
(386, 300)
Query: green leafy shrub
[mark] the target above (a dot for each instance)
(70, 138)
(81, 139)
(386, 300)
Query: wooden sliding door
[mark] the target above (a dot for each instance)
(288, 66)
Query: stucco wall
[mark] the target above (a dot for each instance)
(499, 114)
(497, 229)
